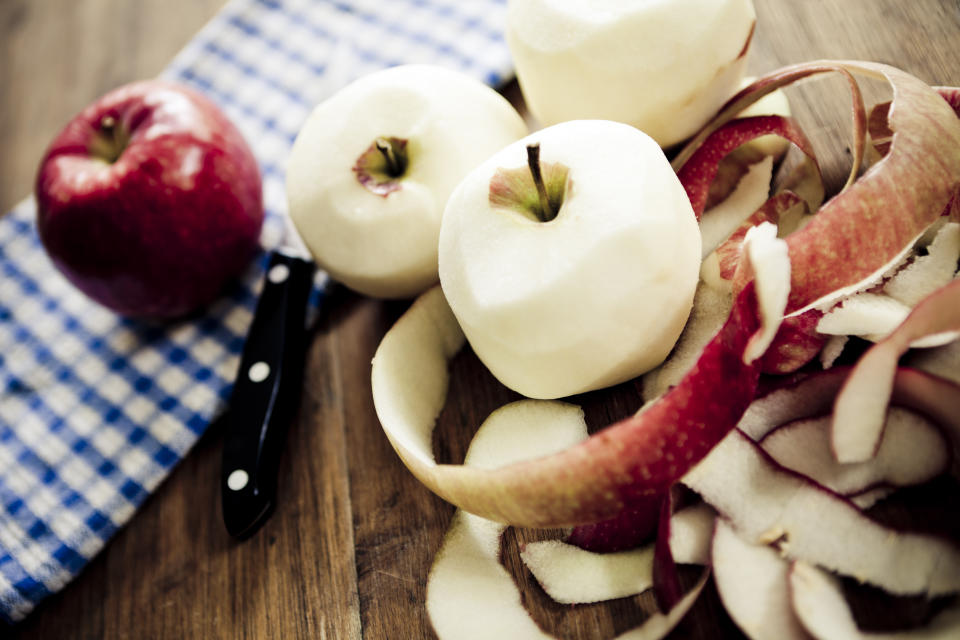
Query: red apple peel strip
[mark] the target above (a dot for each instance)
(730, 215)
(862, 403)
(927, 273)
(698, 172)
(628, 530)
(897, 198)
(880, 133)
(666, 580)
(797, 341)
(773, 81)
(639, 456)
(728, 253)
(764, 250)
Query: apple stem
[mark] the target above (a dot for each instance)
(395, 163)
(111, 142)
(545, 213)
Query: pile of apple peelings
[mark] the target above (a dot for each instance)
(784, 473)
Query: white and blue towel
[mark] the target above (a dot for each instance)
(95, 410)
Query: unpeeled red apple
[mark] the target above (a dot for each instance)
(664, 66)
(372, 168)
(593, 297)
(149, 200)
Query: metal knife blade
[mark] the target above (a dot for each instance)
(266, 392)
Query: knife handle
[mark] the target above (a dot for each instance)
(265, 395)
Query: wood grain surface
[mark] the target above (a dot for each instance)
(346, 553)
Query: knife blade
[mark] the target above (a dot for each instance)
(266, 391)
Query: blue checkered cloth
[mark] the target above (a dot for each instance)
(95, 409)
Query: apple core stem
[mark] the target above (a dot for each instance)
(545, 212)
(395, 164)
(111, 141)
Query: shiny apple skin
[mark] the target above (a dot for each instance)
(161, 230)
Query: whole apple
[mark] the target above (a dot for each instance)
(372, 168)
(570, 258)
(665, 67)
(149, 201)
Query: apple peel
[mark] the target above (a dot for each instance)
(925, 133)
(819, 603)
(467, 583)
(913, 451)
(771, 266)
(728, 252)
(943, 362)
(629, 529)
(660, 624)
(698, 171)
(767, 503)
(864, 314)
(641, 455)
(752, 583)
(711, 303)
(750, 194)
(571, 575)
(711, 307)
(862, 403)
(924, 393)
(875, 314)
(929, 272)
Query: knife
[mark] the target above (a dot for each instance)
(266, 392)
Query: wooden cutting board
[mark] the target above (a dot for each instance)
(346, 553)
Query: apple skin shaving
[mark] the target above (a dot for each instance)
(862, 403)
(643, 455)
(699, 172)
(639, 456)
(613, 483)
(897, 198)
(767, 503)
(628, 530)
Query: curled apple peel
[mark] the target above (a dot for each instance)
(752, 582)
(573, 575)
(861, 405)
(639, 456)
(620, 474)
(467, 582)
(817, 598)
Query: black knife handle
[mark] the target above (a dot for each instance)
(265, 395)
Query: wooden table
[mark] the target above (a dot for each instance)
(347, 551)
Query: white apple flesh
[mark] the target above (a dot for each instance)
(591, 298)
(664, 66)
(370, 220)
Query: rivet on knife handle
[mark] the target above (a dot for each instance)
(265, 395)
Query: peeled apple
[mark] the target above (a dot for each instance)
(664, 66)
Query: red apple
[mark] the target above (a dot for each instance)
(149, 200)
